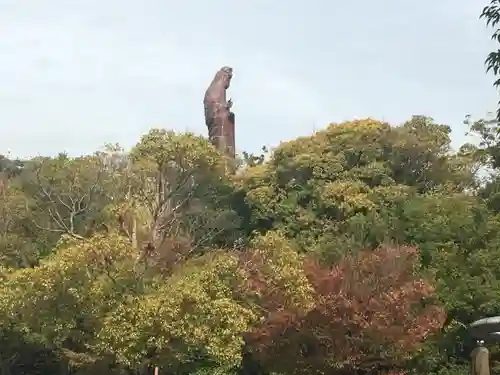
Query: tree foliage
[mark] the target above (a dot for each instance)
(491, 14)
(369, 311)
(363, 248)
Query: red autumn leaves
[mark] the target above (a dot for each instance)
(370, 311)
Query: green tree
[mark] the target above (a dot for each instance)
(65, 193)
(179, 198)
(491, 14)
(70, 290)
(361, 184)
(115, 222)
(160, 256)
(339, 187)
(190, 318)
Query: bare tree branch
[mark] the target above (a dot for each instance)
(63, 222)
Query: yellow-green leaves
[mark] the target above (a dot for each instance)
(348, 196)
(180, 180)
(149, 259)
(203, 310)
(64, 195)
(195, 313)
(65, 295)
(281, 268)
(186, 151)
(318, 188)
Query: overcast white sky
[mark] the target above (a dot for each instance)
(75, 74)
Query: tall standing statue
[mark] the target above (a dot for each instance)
(218, 116)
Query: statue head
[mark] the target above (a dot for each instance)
(226, 73)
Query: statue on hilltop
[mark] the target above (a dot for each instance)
(218, 116)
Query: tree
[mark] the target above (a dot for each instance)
(10, 168)
(486, 152)
(326, 189)
(199, 314)
(370, 313)
(70, 291)
(165, 201)
(491, 14)
(364, 184)
(182, 192)
(158, 256)
(17, 249)
(65, 195)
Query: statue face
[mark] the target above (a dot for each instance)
(227, 70)
(228, 74)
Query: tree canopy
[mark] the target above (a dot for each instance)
(364, 247)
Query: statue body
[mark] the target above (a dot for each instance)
(219, 119)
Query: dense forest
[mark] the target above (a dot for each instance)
(363, 248)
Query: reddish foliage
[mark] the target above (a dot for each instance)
(371, 311)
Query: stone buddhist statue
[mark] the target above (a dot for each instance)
(219, 119)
